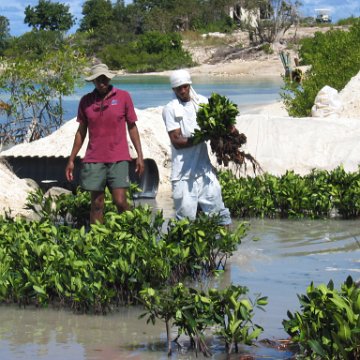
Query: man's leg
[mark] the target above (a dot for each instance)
(118, 182)
(120, 199)
(185, 198)
(210, 198)
(97, 207)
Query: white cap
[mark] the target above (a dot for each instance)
(180, 77)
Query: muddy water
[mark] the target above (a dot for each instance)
(278, 258)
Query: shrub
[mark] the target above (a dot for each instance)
(228, 313)
(326, 53)
(152, 51)
(315, 195)
(328, 323)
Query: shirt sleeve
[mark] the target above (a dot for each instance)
(81, 117)
(130, 113)
(171, 123)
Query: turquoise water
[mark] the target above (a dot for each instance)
(154, 90)
(149, 91)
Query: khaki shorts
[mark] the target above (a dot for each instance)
(96, 176)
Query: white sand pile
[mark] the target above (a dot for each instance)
(273, 109)
(13, 192)
(155, 141)
(350, 98)
(301, 144)
(57, 144)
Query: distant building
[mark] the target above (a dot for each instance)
(323, 15)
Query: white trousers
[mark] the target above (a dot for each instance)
(205, 192)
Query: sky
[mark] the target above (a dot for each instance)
(13, 10)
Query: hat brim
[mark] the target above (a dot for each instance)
(94, 76)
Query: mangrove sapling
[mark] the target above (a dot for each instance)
(318, 194)
(328, 323)
(227, 313)
(106, 266)
(200, 247)
(233, 314)
(217, 120)
(162, 304)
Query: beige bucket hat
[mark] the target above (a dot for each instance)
(98, 70)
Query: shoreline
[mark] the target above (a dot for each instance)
(269, 66)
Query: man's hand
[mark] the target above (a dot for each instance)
(69, 170)
(140, 166)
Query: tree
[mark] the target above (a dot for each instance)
(97, 14)
(34, 44)
(273, 17)
(4, 33)
(36, 89)
(99, 25)
(49, 16)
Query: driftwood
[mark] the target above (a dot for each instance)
(232, 53)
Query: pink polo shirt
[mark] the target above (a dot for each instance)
(106, 121)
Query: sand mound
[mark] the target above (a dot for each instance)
(13, 192)
(350, 98)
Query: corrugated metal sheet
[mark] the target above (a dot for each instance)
(49, 171)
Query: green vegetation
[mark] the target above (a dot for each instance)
(133, 259)
(49, 16)
(4, 33)
(216, 120)
(53, 261)
(328, 323)
(316, 195)
(119, 34)
(348, 21)
(326, 53)
(36, 88)
(129, 259)
(195, 313)
(152, 51)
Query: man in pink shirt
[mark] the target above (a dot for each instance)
(105, 113)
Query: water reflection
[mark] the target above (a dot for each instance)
(278, 258)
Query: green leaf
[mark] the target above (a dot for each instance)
(39, 290)
(317, 348)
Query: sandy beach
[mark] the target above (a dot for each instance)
(269, 65)
(251, 63)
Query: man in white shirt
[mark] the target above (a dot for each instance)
(194, 182)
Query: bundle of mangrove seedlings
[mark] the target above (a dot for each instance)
(217, 120)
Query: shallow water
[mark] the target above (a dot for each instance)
(149, 91)
(277, 258)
